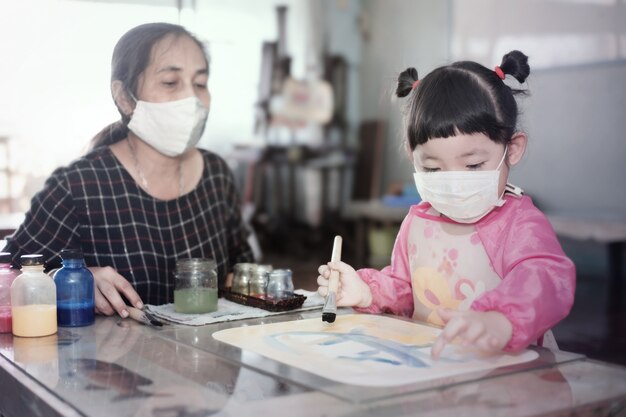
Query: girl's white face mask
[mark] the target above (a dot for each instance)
(171, 127)
(463, 196)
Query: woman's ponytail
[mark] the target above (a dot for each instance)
(109, 135)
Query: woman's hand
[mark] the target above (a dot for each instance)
(108, 287)
(351, 290)
(485, 330)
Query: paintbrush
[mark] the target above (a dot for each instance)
(329, 312)
(143, 316)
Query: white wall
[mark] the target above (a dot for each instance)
(55, 77)
(576, 161)
(398, 34)
(342, 36)
(54, 80)
(575, 116)
(235, 31)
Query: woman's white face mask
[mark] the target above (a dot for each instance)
(463, 196)
(170, 127)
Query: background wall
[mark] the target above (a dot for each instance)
(55, 78)
(398, 34)
(575, 113)
(575, 163)
(55, 86)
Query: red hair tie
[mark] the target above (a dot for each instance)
(415, 83)
(499, 72)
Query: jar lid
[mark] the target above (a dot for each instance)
(280, 272)
(71, 254)
(31, 260)
(5, 258)
(245, 266)
(262, 269)
(192, 264)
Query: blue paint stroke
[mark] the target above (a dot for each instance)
(404, 355)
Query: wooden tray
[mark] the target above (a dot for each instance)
(291, 302)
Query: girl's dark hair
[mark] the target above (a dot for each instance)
(131, 56)
(462, 98)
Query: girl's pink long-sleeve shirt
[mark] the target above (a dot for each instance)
(534, 280)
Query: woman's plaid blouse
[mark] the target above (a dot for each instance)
(94, 204)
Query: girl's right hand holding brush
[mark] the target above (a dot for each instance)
(351, 290)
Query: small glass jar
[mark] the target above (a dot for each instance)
(195, 290)
(241, 278)
(259, 279)
(280, 284)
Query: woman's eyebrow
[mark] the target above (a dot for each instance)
(173, 68)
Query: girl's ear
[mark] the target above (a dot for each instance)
(516, 148)
(120, 96)
(408, 151)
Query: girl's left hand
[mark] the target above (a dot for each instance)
(485, 330)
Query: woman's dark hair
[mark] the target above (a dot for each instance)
(131, 56)
(462, 98)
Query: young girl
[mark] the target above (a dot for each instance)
(476, 256)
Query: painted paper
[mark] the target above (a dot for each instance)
(364, 349)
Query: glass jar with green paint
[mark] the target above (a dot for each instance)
(195, 289)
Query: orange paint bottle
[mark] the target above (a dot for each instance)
(33, 300)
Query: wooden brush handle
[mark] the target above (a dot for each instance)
(336, 256)
(137, 315)
(333, 281)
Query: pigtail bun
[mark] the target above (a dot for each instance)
(515, 63)
(406, 79)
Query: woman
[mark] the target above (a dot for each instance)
(144, 196)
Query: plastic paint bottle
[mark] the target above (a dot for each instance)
(33, 300)
(7, 275)
(75, 291)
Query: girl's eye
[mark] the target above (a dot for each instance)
(475, 166)
(201, 86)
(169, 83)
(426, 169)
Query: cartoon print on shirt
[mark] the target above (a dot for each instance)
(448, 263)
(432, 290)
(450, 268)
(467, 291)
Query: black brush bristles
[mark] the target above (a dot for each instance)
(329, 311)
(329, 317)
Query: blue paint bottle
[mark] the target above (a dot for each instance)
(75, 291)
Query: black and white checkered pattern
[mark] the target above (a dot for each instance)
(94, 204)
